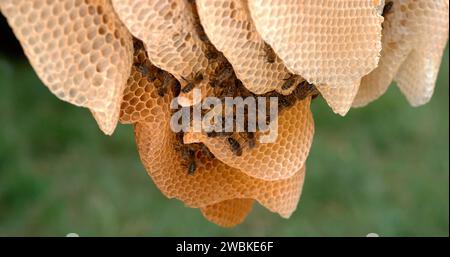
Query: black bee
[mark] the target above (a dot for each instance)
(137, 44)
(166, 84)
(289, 82)
(218, 134)
(251, 139)
(188, 88)
(312, 91)
(213, 83)
(192, 166)
(285, 101)
(225, 73)
(304, 90)
(387, 8)
(228, 90)
(211, 54)
(235, 146)
(269, 53)
(146, 71)
(179, 137)
(176, 89)
(207, 152)
(189, 154)
(191, 84)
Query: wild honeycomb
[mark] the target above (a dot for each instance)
(79, 49)
(414, 37)
(229, 27)
(228, 213)
(332, 44)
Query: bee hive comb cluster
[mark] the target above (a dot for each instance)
(128, 60)
(143, 107)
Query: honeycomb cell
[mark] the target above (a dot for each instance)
(79, 49)
(414, 37)
(332, 44)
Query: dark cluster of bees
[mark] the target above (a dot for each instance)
(224, 83)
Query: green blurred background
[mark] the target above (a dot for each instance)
(382, 169)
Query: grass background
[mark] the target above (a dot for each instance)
(381, 169)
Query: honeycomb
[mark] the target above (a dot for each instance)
(228, 213)
(414, 37)
(272, 161)
(332, 44)
(229, 27)
(168, 30)
(79, 49)
(151, 114)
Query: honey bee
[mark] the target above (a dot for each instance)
(285, 101)
(201, 33)
(228, 90)
(188, 154)
(191, 84)
(219, 134)
(304, 90)
(192, 166)
(387, 8)
(176, 88)
(207, 152)
(137, 45)
(167, 83)
(225, 73)
(146, 71)
(235, 146)
(211, 54)
(179, 137)
(269, 53)
(289, 82)
(251, 139)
